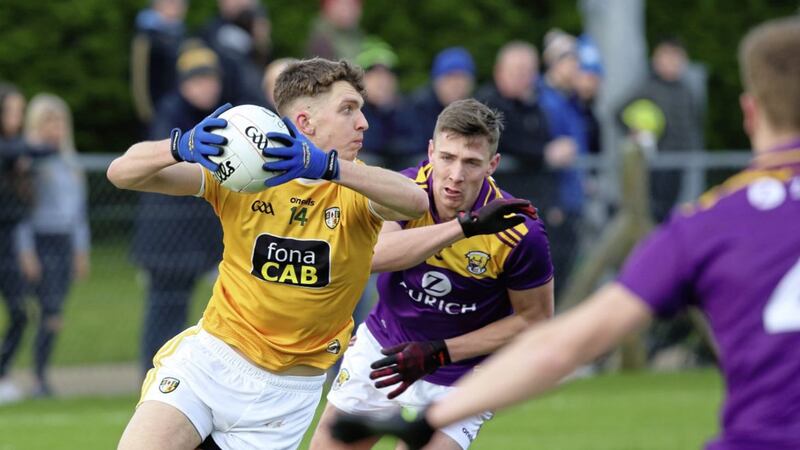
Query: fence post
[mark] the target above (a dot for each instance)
(630, 224)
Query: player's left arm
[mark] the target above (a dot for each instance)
(408, 362)
(530, 306)
(544, 354)
(392, 196)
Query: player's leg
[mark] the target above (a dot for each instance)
(439, 441)
(457, 436)
(173, 413)
(353, 392)
(259, 409)
(159, 426)
(322, 439)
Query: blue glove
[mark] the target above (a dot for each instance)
(299, 159)
(197, 144)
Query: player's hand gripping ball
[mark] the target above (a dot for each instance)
(230, 143)
(241, 162)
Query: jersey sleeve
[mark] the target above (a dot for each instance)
(529, 264)
(658, 272)
(213, 192)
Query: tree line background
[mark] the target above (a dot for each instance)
(79, 49)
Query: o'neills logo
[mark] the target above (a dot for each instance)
(292, 261)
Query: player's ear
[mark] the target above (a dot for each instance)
(493, 163)
(430, 149)
(303, 122)
(749, 112)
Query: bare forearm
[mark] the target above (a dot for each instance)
(398, 250)
(139, 164)
(536, 361)
(522, 369)
(485, 340)
(150, 167)
(385, 188)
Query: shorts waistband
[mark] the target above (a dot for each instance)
(226, 354)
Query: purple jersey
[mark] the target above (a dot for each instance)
(736, 255)
(463, 287)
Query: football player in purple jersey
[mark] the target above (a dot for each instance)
(735, 254)
(457, 284)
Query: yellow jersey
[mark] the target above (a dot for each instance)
(296, 260)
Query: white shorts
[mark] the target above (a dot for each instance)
(242, 406)
(353, 392)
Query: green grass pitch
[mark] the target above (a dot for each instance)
(617, 412)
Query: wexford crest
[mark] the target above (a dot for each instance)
(477, 261)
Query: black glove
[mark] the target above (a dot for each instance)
(409, 426)
(491, 218)
(408, 363)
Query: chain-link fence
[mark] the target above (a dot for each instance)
(153, 260)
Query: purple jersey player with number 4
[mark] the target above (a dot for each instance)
(460, 282)
(735, 254)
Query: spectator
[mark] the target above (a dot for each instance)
(241, 36)
(666, 96)
(270, 76)
(159, 33)
(14, 202)
(54, 243)
(452, 78)
(560, 103)
(382, 102)
(335, 33)
(587, 85)
(177, 239)
(526, 134)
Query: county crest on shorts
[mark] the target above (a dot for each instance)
(332, 216)
(168, 384)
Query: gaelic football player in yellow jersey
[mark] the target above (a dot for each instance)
(296, 259)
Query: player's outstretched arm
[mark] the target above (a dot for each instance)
(408, 362)
(530, 306)
(532, 364)
(392, 195)
(543, 355)
(399, 249)
(159, 166)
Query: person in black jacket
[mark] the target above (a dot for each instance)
(154, 51)
(14, 205)
(240, 34)
(452, 78)
(177, 239)
(526, 137)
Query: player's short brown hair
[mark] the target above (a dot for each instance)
(769, 59)
(473, 120)
(312, 77)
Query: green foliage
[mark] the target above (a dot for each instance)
(79, 48)
(711, 31)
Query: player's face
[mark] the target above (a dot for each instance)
(459, 167)
(336, 121)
